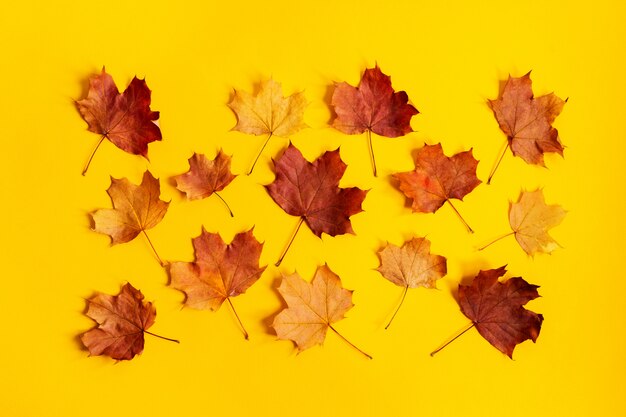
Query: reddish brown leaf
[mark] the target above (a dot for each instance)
(219, 272)
(125, 119)
(311, 191)
(496, 309)
(527, 121)
(122, 321)
(437, 178)
(373, 106)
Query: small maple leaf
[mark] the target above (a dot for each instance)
(268, 113)
(437, 178)
(311, 191)
(527, 121)
(530, 219)
(206, 177)
(122, 321)
(136, 208)
(312, 308)
(219, 272)
(411, 266)
(124, 119)
(373, 106)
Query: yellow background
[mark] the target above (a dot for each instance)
(450, 57)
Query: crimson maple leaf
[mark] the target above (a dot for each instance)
(373, 106)
(527, 121)
(437, 178)
(122, 321)
(124, 119)
(496, 310)
(311, 191)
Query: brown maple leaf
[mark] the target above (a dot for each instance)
(530, 219)
(373, 106)
(268, 113)
(437, 178)
(136, 208)
(124, 119)
(527, 121)
(206, 177)
(411, 266)
(312, 308)
(122, 321)
(219, 272)
(311, 191)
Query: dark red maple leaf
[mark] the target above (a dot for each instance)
(373, 106)
(124, 119)
(496, 309)
(311, 191)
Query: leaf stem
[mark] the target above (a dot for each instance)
(161, 337)
(469, 229)
(226, 204)
(493, 171)
(451, 340)
(153, 249)
(290, 242)
(369, 141)
(495, 240)
(232, 307)
(349, 342)
(92, 154)
(406, 288)
(260, 152)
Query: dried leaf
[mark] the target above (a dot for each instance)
(268, 112)
(527, 121)
(497, 311)
(122, 321)
(312, 308)
(438, 178)
(531, 218)
(124, 119)
(373, 106)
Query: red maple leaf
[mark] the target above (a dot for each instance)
(124, 119)
(373, 106)
(311, 191)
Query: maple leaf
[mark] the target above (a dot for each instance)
(530, 219)
(206, 177)
(122, 321)
(373, 106)
(312, 308)
(268, 113)
(219, 272)
(527, 121)
(136, 208)
(411, 266)
(437, 178)
(124, 119)
(496, 310)
(311, 191)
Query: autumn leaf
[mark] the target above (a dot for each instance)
(373, 106)
(268, 113)
(311, 191)
(136, 208)
(312, 308)
(438, 178)
(496, 310)
(527, 121)
(530, 219)
(206, 177)
(122, 321)
(124, 119)
(219, 272)
(411, 266)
